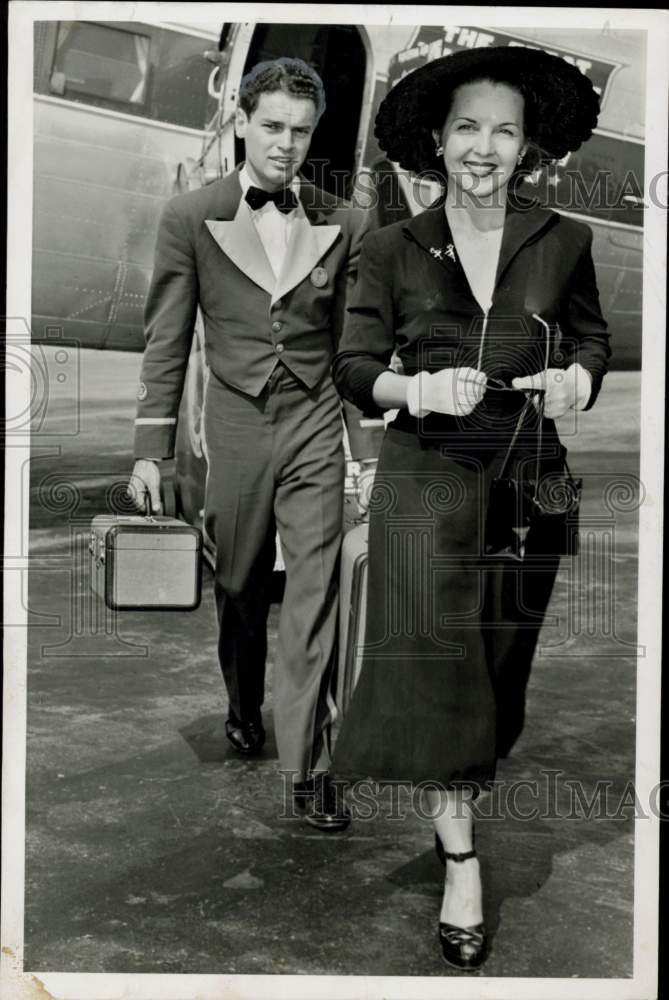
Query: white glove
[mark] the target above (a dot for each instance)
(565, 388)
(452, 390)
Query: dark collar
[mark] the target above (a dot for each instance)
(525, 219)
(228, 196)
(317, 204)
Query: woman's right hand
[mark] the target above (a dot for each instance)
(452, 390)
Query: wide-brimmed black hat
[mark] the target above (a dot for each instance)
(561, 105)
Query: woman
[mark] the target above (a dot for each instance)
(464, 293)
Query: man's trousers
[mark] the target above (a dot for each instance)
(277, 462)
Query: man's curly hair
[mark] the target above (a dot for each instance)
(561, 105)
(292, 76)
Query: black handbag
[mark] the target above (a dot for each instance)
(529, 513)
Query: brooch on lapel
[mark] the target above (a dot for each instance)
(438, 252)
(319, 277)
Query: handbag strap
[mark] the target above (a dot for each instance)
(514, 437)
(540, 413)
(540, 439)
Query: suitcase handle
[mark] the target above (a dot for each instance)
(167, 498)
(148, 509)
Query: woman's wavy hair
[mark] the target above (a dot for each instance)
(292, 76)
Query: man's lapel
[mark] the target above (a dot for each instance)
(310, 239)
(238, 238)
(307, 244)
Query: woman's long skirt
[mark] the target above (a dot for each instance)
(450, 633)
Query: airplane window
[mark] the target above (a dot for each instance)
(152, 73)
(102, 62)
(179, 82)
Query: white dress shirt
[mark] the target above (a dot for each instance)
(272, 225)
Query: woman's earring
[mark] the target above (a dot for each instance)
(439, 150)
(520, 158)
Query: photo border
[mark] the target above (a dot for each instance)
(20, 136)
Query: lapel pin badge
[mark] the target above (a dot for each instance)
(450, 251)
(437, 253)
(319, 277)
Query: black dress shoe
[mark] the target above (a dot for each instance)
(247, 738)
(322, 803)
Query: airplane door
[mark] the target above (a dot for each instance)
(337, 53)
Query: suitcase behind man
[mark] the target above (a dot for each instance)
(145, 563)
(352, 604)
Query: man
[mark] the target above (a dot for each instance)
(269, 259)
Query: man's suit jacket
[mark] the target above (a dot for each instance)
(208, 253)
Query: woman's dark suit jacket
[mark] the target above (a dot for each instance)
(448, 642)
(412, 296)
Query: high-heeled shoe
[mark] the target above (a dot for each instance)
(463, 948)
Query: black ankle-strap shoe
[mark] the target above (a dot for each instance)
(464, 948)
(441, 853)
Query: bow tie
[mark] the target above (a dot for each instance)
(284, 199)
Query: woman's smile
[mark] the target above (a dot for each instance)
(480, 169)
(483, 136)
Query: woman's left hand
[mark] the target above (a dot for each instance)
(565, 388)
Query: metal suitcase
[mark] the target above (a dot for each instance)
(352, 613)
(145, 563)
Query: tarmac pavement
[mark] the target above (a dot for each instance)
(152, 847)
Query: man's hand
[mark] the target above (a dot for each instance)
(145, 478)
(565, 388)
(452, 390)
